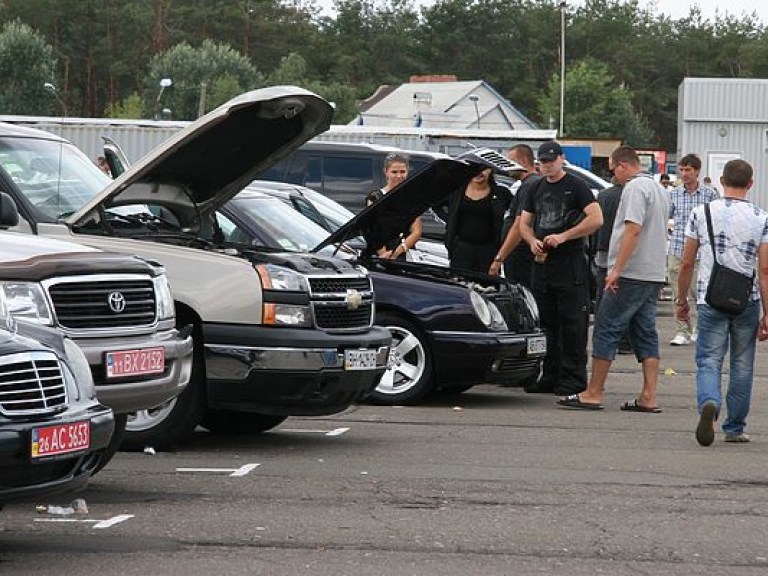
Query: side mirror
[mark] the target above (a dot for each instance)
(9, 214)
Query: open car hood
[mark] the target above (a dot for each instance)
(202, 166)
(427, 188)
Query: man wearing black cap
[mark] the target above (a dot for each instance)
(556, 219)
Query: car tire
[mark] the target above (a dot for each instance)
(114, 443)
(170, 424)
(409, 376)
(239, 423)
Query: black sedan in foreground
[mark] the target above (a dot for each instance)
(52, 428)
(450, 330)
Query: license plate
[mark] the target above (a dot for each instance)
(135, 362)
(359, 359)
(61, 439)
(537, 345)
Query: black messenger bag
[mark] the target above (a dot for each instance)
(728, 291)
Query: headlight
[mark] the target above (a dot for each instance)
(481, 308)
(497, 320)
(530, 301)
(80, 369)
(282, 313)
(279, 278)
(26, 301)
(165, 306)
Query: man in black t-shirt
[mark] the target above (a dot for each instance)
(514, 253)
(556, 219)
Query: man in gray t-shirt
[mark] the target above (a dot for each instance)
(636, 258)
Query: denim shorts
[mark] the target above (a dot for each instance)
(632, 308)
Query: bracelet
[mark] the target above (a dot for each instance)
(496, 258)
(404, 245)
(679, 302)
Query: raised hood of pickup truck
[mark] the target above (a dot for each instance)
(208, 162)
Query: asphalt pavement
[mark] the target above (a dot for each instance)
(492, 481)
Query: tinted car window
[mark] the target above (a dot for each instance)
(348, 179)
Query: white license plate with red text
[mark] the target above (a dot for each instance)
(135, 362)
(61, 439)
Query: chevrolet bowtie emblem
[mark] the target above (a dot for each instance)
(353, 299)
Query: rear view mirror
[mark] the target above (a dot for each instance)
(9, 214)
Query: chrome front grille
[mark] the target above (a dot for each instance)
(104, 303)
(31, 383)
(341, 302)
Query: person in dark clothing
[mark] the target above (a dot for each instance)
(514, 253)
(395, 172)
(555, 221)
(475, 218)
(608, 200)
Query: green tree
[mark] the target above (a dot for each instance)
(224, 71)
(26, 65)
(129, 108)
(595, 106)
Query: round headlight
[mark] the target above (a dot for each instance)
(531, 302)
(481, 308)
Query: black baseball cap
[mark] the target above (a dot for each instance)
(549, 151)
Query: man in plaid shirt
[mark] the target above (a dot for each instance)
(682, 200)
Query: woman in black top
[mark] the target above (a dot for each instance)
(475, 220)
(395, 172)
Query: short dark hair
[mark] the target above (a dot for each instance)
(664, 177)
(737, 174)
(625, 154)
(525, 151)
(691, 160)
(395, 157)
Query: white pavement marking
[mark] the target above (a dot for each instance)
(337, 432)
(114, 520)
(334, 432)
(242, 471)
(108, 523)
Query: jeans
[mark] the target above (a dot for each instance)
(632, 309)
(718, 333)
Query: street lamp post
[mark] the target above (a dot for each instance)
(51, 88)
(562, 7)
(164, 83)
(474, 100)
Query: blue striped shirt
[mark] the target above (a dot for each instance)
(681, 204)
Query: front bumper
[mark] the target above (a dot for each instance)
(288, 372)
(133, 393)
(504, 358)
(24, 479)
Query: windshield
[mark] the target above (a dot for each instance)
(281, 223)
(334, 213)
(54, 176)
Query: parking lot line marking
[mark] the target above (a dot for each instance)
(112, 521)
(242, 471)
(109, 522)
(337, 432)
(334, 432)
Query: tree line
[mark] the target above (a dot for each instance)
(624, 62)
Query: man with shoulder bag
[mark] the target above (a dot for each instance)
(731, 236)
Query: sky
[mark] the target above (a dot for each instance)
(673, 8)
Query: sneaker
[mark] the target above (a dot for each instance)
(694, 335)
(705, 430)
(680, 339)
(739, 438)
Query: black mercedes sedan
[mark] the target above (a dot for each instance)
(450, 330)
(52, 428)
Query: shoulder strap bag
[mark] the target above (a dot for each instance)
(728, 291)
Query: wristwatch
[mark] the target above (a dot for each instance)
(679, 302)
(496, 258)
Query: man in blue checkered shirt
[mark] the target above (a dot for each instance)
(682, 200)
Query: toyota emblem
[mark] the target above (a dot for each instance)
(353, 300)
(116, 302)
